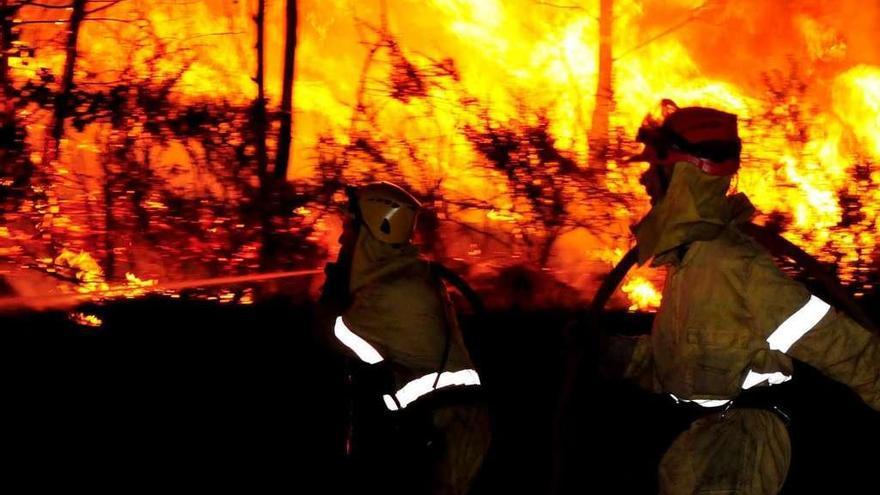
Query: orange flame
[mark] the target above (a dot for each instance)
(642, 294)
(85, 269)
(812, 137)
(86, 320)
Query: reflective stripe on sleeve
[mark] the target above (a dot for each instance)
(703, 402)
(754, 378)
(359, 346)
(798, 324)
(786, 334)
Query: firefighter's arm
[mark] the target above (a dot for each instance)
(629, 358)
(331, 304)
(806, 328)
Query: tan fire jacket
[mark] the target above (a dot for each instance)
(730, 319)
(401, 316)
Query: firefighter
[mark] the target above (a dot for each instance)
(731, 322)
(392, 313)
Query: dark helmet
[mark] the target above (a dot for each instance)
(705, 137)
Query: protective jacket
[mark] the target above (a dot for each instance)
(730, 320)
(401, 315)
(401, 318)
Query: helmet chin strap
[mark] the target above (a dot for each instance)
(673, 156)
(727, 167)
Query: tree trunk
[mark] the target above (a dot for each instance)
(599, 126)
(260, 104)
(6, 15)
(62, 100)
(109, 227)
(7, 108)
(286, 131)
(16, 169)
(260, 125)
(271, 190)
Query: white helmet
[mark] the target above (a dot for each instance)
(388, 211)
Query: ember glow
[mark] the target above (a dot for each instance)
(486, 109)
(86, 320)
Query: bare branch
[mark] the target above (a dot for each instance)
(110, 19)
(46, 6)
(205, 35)
(695, 14)
(109, 4)
(57, 23)
(476, 230)
(559, 6)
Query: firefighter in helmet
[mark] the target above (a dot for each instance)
(394, 315)
(731, 322)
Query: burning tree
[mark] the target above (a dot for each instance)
(788, 114)
(538, 192)
(599, 128)
(549, 187)
(128, 136)
(169, 184)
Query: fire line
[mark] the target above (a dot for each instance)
(18, 302)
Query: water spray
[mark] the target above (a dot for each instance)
(64, 300)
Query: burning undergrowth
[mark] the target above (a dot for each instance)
(157, 160)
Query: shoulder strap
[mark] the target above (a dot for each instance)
(459, 283)
(436, 273)
(443, 273)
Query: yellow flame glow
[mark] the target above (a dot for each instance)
(642, 294)
(520, 60)
(86, 320)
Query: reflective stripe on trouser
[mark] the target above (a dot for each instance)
(745, 451)
(425, 384)
(786, 334)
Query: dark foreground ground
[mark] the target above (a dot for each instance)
(192, 396)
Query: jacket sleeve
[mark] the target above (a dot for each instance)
(403, 318)
(806, 328)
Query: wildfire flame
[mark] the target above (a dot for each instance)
(89, 276)
(86, 320)
(406, 83)
(85, 269)
(133, 280)
(642, 294)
